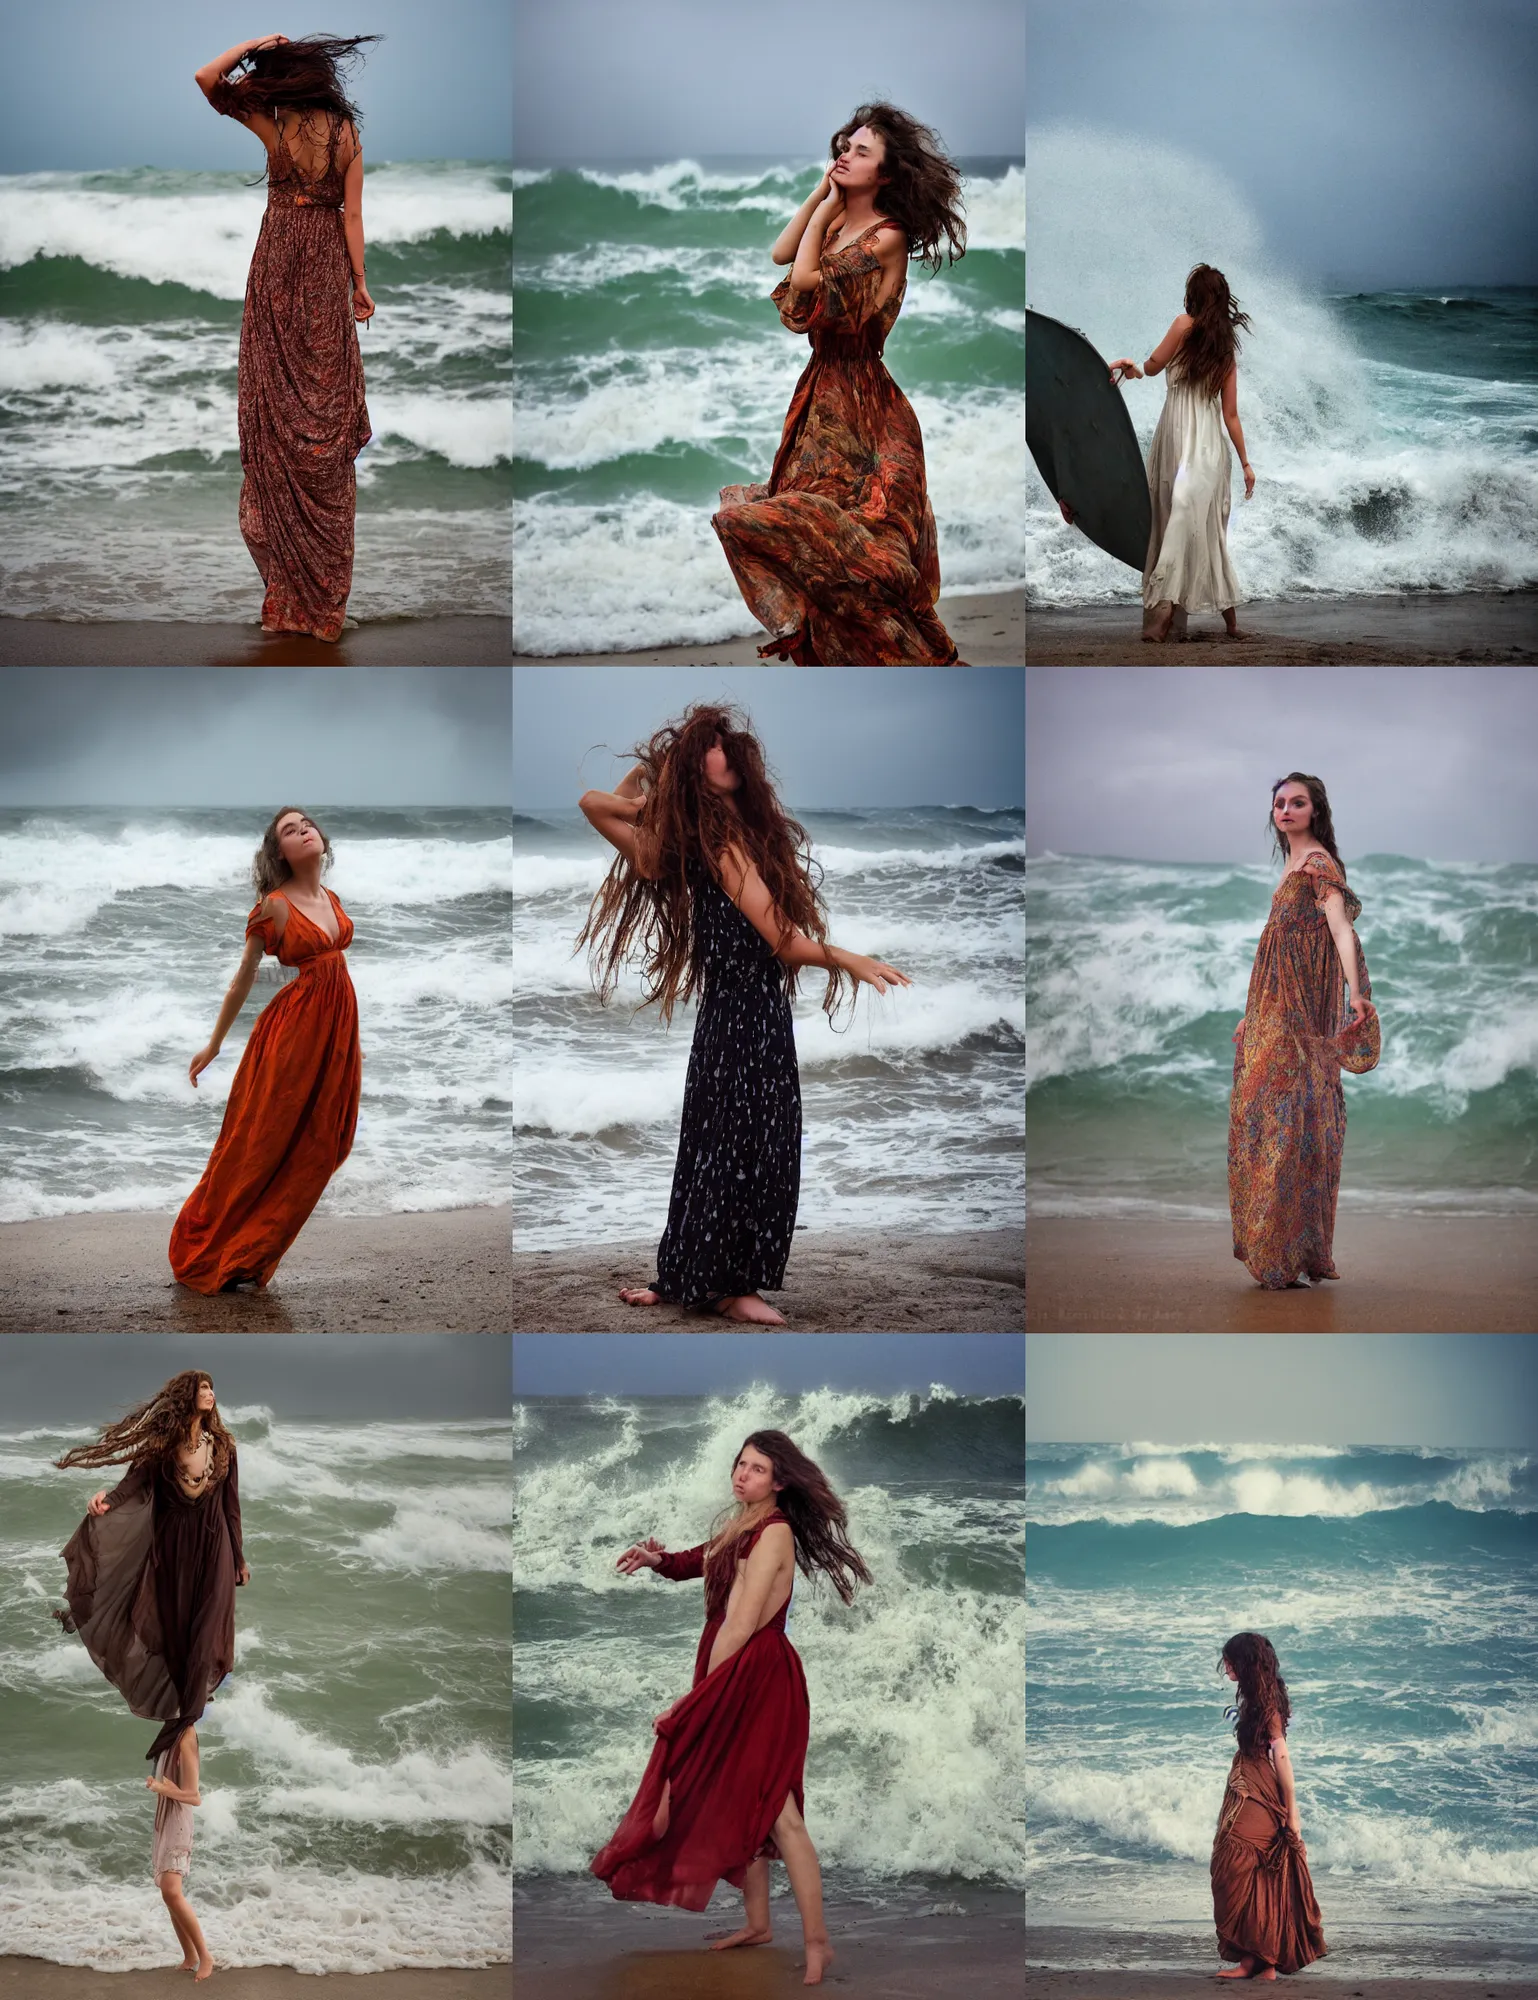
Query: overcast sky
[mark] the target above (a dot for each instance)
(241, 736)
(669, 79)
(1467, 1389)
(710, 1364)
(1380, 142)
(58, 1378)
(95, 83)
(1176, 763)
(844, 736)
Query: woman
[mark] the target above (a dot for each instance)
(293, 1106)
(303, 419)
(1188, 567)
(153, 1567)
(714, 889)
(722, 1795)
(1262, 1898)
(836, 555)
(175, 1784)
(1287, 1115)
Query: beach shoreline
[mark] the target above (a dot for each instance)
(440, 1271)
(1421, 629)
(844, 1281)
(41, 1979)
(1171, 1967)
(988, 628)
(155, 642)
(1399, 1274)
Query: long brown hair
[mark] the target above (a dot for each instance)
(1211, 347)
(685, 825)
(818, 1520)
(303, 76)
(920, 186)
(269, 870)
(1262, 1691)
(156, 1429)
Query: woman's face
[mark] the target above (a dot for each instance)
(857, 162)
(753, 1477)
(1292, 809)
(719, 774)
(205, 1394)
(1229, 1671)
(298, 839)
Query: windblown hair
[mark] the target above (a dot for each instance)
(156, 1429)
(1262, 1691)
(920, 187)
(1211, 348)
(300, 76)
(818, 1521)
(269, 870)
(684, 827)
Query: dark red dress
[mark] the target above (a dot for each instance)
(733, 1750)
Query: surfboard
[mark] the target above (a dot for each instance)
(1082, 439)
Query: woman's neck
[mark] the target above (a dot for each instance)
(306, 879)
(1302, 843)
(859, 211)
(195, 1435)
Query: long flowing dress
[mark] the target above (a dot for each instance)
(1287, 1114)
(1188, 480)
(836, 555)
(151, 1592)
(303, 418)
(290, 1118)
(171, 1849)
(731, 1752)
(1263, 1901)
(737, 1177)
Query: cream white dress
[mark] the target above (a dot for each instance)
(1188, 479)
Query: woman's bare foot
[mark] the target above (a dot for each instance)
(1240, 1971)
(640, 1295)
(750, 1307)
(205, 1966)
(818, 1958)
(190, 1961)
(1157, 623)
(725, 1940)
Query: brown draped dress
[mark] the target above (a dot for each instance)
(303, 419)
(1263, 1901)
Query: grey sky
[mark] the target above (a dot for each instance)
(1176, 763)
(1467, 1389)
(1380, 143)
(670, 79)
(92, 83)
(845, 736)
(239, 736)
(703, 1364)
(57, 1378)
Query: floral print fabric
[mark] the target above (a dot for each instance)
(303, 419)
(836, 555)
(1287, 1115)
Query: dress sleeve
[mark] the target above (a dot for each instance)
(263, 927)
(1327, 877)
(232, 1508)
(681, 1567)
(846, 298)
(134, 1482)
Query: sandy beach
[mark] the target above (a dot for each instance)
(1431, 1969)
(444, 1272)
(869, 1281)
(1338, 1984)
(395, 642)
(1429, 629)
(989, 632)
(37, 1979)
(1399, 1274)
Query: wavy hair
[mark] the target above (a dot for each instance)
(920, 185)
(684, 826)
(818, 1520)
(156, 1429)
(1262, 1691)
(304, 76)
(269, 870)
(1211, 347)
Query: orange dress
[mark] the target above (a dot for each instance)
(1263, 1902)
(836, 555)
(289, 1122)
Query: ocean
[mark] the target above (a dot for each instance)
(914, 1771)
(119, 935)
(652, 370)
(1137, 976)
(1394, 434)
(913, 1111)
(1400, 1589)
(356, 1775)
(120, 311)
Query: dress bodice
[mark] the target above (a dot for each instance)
(303, 944)
(728, 946)
(841, 318)
(287, 182)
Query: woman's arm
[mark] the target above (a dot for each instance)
(231, 1499)
(1345, 946)
(352, 227)
(614, 815)
(1233, 426)
(185, 1793)
(1169, 346)
(1282, 1764)
(234, 1000)
(129, 1487)
(748, 890)
(772, 1551)
(788, 241)
(806, 271)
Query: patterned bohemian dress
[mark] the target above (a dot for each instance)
(836, 555)
(303, 419)
(1287, 1115)
(737, 1177)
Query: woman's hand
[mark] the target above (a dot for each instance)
(1249, 479)
(874, 972)
(201, 1061)
(156, 1785)
(269, 42)
(1238, 1034)
(1125, 371)
(657, 1725)
(362, 304)
(1359, 1010)
(641, 1555)
(243, 1575)
(831, 208)
(98, 1504)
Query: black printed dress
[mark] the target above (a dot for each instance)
(738, 1172)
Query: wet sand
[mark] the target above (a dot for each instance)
(445, 1272)
(1339, 1984)
(37, 1979)
(1434, 1968)
(1399, 1274)
(989, 631)
(395, 642)
(867, 1281)
(1428, 629)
